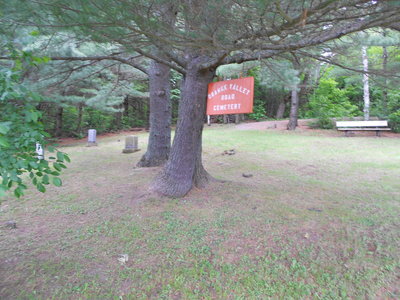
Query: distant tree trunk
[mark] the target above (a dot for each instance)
(304, 88)
(59, 121)
(385, 57)
(79, 121)
(184, 168)
(298, 93)
(141, 108)
(281, 110)
(366, 83)
(118, 120)
(160, 117)
(126, 106)
(294, 109)
(226, 119)
(282, 107)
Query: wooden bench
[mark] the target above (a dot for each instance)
(348, 126)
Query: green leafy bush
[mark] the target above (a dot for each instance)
(259, 112)
(328, 102)
(20, 131)
(394, 100)
(99, 120)
(322, 123)
(394, 121)
(394, 108)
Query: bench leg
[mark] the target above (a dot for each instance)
(378, 133)
(346, 133)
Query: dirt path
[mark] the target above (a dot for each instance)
(279, 125)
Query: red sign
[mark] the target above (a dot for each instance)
(230, 96)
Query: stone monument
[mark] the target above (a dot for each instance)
(39, 151)
(131, 144)
(91, 138)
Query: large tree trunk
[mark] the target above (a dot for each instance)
(160, 106)
(294, 110)
(160, 117)
(184, 168)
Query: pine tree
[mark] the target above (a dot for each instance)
(208, 34)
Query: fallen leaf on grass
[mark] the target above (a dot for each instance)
(123, 258)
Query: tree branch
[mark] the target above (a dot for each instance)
(273, 49)
(95, 58)
(106, 57)
(332, 62)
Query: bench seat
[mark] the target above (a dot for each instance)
(359, 129)
(376, 126)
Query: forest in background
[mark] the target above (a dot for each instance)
(112, 95)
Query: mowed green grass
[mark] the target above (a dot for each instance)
(319, 219)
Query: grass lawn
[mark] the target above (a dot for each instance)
(319, 219)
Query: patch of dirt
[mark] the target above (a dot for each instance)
(273, 125)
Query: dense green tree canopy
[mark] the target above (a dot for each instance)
(229, 30)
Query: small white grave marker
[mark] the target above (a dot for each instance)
(131, 144)
(39, 151)
(92, 137)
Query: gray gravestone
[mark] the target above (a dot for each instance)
(92, 137)
(131, 144)
(39, 151)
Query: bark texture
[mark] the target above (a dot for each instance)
(184, 168)
(294, 110)
(160, 117)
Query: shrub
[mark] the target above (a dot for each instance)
(258, 111)
(322, 123)
(328, 102)
(394, 121)
(101, 121)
